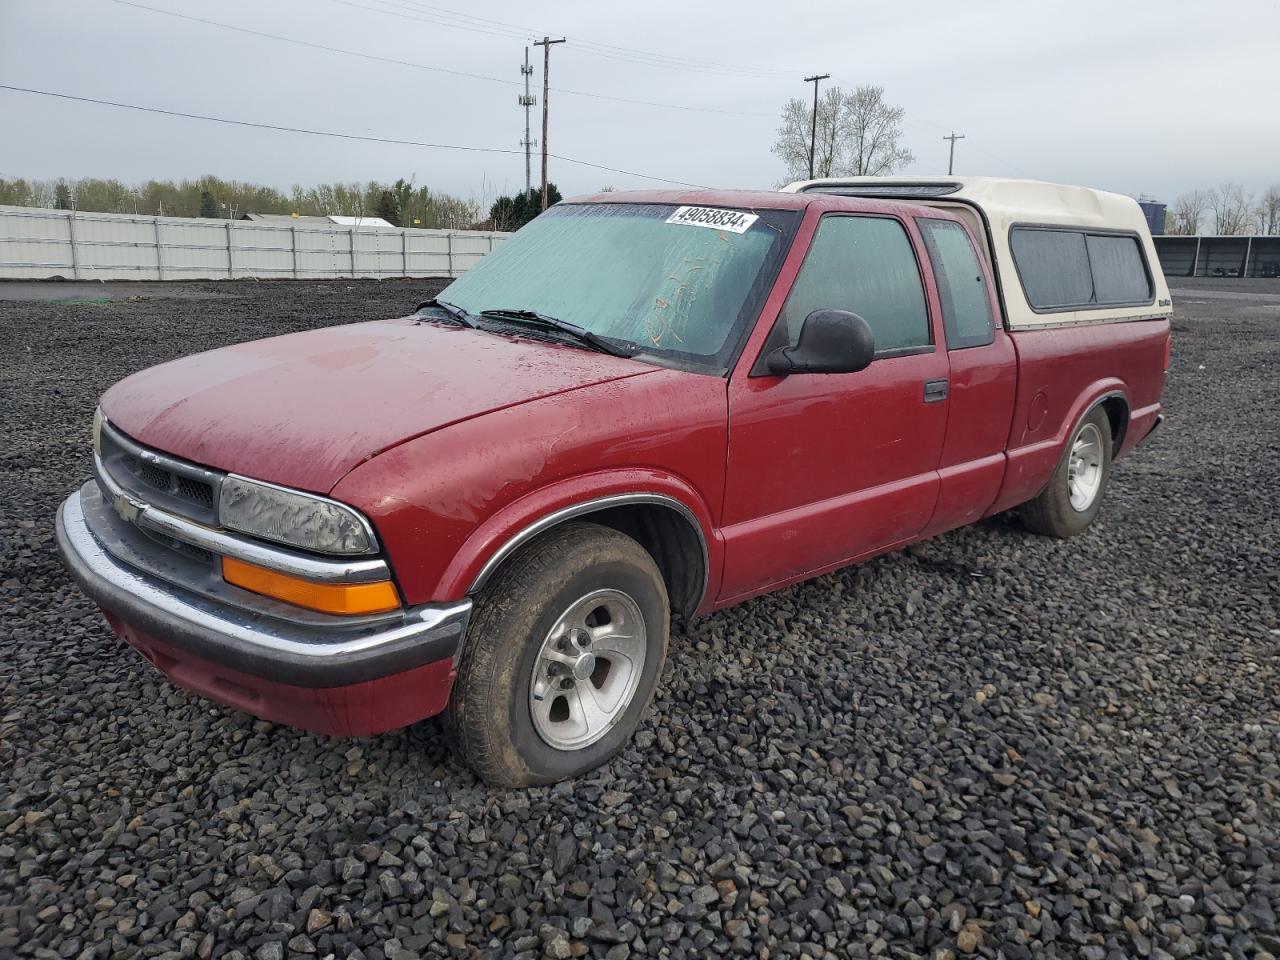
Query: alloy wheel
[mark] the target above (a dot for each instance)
(588, 669)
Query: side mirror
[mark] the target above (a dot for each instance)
(831, 341)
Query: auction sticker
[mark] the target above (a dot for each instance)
(735, 221)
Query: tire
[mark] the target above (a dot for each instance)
(575, 593)
(1074, 495)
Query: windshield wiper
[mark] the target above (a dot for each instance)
(454, 311)
(581, 334)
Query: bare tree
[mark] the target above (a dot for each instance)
(1187, 212)
(792, 145)
(1232, 209)
(858, 134)
(1269, 210)
(875, 128)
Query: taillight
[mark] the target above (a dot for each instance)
(1168, 350)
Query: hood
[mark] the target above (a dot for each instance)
(304, 409)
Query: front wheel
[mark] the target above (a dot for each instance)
(564, 652)
(1073, 497)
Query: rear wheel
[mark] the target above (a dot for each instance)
(1073, 497)
(564, 652)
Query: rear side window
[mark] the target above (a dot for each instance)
(865, 265)
(1118, 273)
(966, 304)
(1054, 267)
(1071, 269)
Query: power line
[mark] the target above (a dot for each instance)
(422, 66)
(610, 51)
(308, 43)
(330, 133)
(426, 14)
(914, 120)
(427, 17)
(671, 60)
(464, 21)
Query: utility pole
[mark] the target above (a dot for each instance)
(545, 43)
(813, 128)
(527, 101)
(951, 162)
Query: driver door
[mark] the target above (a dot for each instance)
(824, 469)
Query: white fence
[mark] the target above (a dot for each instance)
(37, 243)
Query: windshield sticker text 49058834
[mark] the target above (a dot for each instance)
(735, 221)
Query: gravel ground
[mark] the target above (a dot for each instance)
(991, 744)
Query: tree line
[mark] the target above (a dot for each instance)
(1227, 210)
(400, 203)
(858, 133)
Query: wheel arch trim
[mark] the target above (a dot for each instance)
(585, 508)
(1117, 437)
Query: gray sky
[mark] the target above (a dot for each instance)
(1152, 97)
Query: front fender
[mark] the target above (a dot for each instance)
(512, 526)
(444, 503)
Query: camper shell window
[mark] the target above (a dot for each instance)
(1062, 268)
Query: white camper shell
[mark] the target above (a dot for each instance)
(1061, 255)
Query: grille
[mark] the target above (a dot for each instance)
(166, 481)
(151, 475)
(195, 491)
(158, 479)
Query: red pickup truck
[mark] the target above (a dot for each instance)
(642, 405)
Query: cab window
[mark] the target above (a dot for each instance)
(865, 265)
(962, 288)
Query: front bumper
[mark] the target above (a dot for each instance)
(262, 663)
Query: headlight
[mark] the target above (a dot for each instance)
(293, 518)
(97, 430)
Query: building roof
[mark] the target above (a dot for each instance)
(285, 218)
(293, 218)
(361, 222)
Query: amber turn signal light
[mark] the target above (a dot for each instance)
(340, 598)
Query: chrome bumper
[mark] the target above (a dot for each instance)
(298, 653)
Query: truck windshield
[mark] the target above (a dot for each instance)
(680, 285)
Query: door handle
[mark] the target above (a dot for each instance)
(935, 391)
